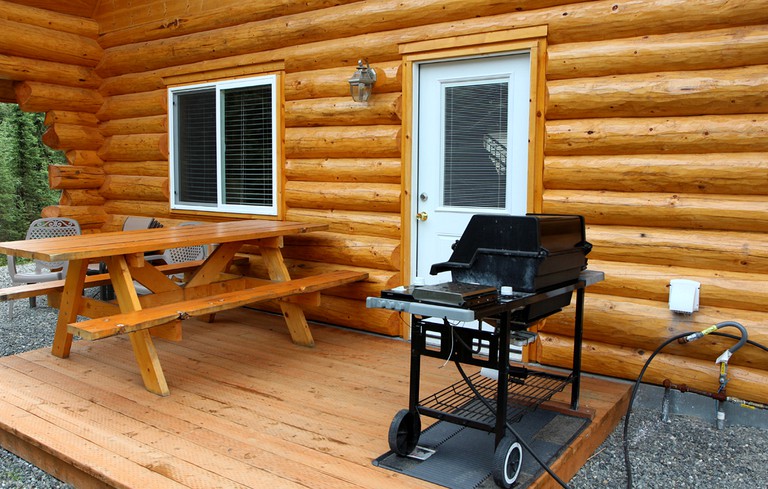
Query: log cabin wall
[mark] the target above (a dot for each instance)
(656, 131)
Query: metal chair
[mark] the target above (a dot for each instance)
(131, 223)
(179, 255)
(50, 227)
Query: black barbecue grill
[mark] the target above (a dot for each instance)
(510, 272)
(529, 253)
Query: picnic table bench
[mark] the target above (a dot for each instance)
(57, 286)
(209, 288)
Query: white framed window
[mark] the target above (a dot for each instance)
(223, 146)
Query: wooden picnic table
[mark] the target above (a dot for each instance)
(208, 288)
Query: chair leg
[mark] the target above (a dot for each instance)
(32, 302)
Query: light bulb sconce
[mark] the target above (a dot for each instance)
(361, 83)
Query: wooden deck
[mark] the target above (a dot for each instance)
(247, 409)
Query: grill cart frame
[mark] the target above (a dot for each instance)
(518, 390)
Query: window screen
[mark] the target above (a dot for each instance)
(196, 147)
(475, 141)
(248, 146)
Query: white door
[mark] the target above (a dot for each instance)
(471, 149)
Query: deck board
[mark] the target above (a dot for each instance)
(248, 408)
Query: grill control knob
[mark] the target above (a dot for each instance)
(422, 216)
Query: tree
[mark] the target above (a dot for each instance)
(24, 161)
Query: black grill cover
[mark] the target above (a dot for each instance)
(531, 253)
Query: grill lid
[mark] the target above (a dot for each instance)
(529, 253)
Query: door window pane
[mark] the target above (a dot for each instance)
(475, 145)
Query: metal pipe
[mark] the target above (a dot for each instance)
(720, 396)
(665, 402)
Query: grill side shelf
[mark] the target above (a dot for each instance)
(458, 404)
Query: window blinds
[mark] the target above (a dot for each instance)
(247, 139)
(470, 176)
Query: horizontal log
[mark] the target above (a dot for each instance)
(332, 82)
(133, 105)
(366, 223)
(715, 250)
(373, 170)
(732, 290)
(28, 69)
(652, 135)
(338, 22)
(89, 197)
(130, 187)
(135, 147)
(89, 217)
(731, 47)
(383, 108)
(626, 362)
(41, 97)
(245, 65)
(714, 173)
(379, 47)
(138, 168)
(348, 313)
(147, 81)
(678, 93)
(124, 28)
(71, 136)
(685, 211)
(356, 251)
(34, 42)
(67, 117)
(49, 19)
(653, 324)
(370, 197)
(75, 177)
(648, 17)
(138, 208)
(343, 142)
(377, 279)
(81, 157)
(136, 125)
(115, 222)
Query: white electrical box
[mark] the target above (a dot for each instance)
(684, 296)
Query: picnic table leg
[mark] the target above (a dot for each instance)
(69, 306)
(143, 348)
(293, 314)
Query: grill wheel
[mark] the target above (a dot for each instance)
(507, 460)
(404, 432)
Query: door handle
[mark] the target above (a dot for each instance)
(422, 216)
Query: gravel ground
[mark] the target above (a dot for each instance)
(687, 452)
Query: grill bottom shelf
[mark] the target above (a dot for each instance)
(459, 402)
